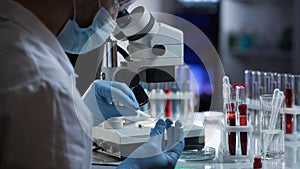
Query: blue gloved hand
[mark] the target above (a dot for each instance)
(151, 154)
(108, 99)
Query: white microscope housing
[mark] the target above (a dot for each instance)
(151, 45)
(154, 49)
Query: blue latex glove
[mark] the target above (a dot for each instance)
(151, 154)
(108, 99)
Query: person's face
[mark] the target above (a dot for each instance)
(86, 10)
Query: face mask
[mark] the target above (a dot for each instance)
(78, 40)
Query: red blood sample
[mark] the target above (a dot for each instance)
(289, 104)
(168, 105)
(243, 122)
(231, 135)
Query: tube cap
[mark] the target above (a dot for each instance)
(242, 109)
(232, 106)
(257, 162)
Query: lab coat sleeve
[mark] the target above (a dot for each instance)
(39, 128)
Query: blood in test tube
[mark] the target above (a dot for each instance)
(168, 105)
(243, 122)
(288, 96)
(289, 104)
(231, 135)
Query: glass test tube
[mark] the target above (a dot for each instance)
(279, 81)
(254, 86)
(267, 83)
(260, 86)
(248, 80)
(297, 90)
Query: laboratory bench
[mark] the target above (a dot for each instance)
(213, 139)
(292, 161)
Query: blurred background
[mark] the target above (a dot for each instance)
(247, 34)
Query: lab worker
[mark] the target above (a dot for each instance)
(44, 122)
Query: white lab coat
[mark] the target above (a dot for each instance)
(43, 121)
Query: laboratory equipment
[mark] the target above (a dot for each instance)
(154, 51)
(267, 109)
(272, 144)
(257, 164)
(289, 83)
(225, 152)
(236, 145)
(121, 142)
(231, 121)
(198, 153)
(243, 122)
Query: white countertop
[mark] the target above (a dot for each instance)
(212, 134)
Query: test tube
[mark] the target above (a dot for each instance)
(297, 100)
(284, 80)
(153, 102)
(175, 102)
(185, 78)
(267, 83)
(254, 86)
(260, 87)
(293, 85)
(297, 90)
(274, 81)
(145, 86)
(279, 81)
(248, 79)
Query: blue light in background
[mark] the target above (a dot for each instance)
(201, 78)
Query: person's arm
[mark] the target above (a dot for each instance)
(42, 126)
(107, 99)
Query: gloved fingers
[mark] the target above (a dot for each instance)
(169, 123)
(115, 91)
(108, 111)
(103, 89)
(159, 128)
(170, 133)
(126, 111)
(124, 92)
(174, 153)
(123, 99)
(179, 132)
(153, 146)
(175, 134)
(124, 88)
(177, 146)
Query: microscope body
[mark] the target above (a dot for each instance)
(154, 50)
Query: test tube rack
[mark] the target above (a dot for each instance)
(294, 111)
(186, 99)
(224, 155)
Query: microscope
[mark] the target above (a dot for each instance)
(154, 49)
